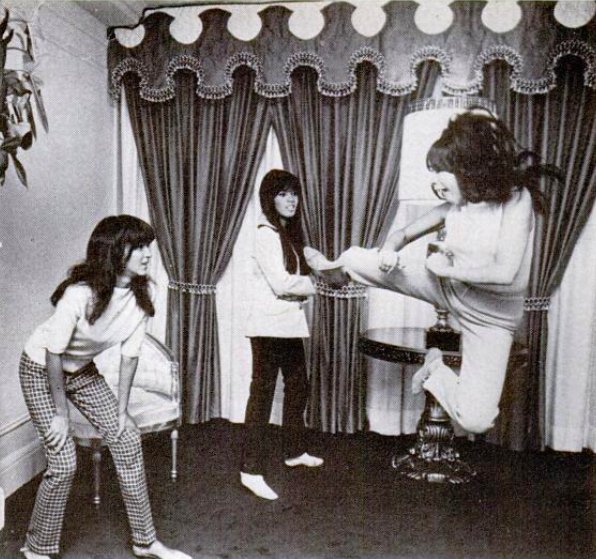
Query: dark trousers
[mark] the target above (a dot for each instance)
(269, 356)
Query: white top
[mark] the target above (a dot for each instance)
(271, 315)
(68, 332)
(474, 236)
(472, 232)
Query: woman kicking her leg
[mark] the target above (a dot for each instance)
(481, 272)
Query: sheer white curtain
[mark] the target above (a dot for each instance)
(132, 200)
(571, 351)
(233, 292)
(233, 301)
(391, 407)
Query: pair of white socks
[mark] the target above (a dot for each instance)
(257, 484)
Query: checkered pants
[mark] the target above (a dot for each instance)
(88, 391)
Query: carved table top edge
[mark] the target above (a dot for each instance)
(409, 355)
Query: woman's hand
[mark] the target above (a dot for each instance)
(440, 264)
(57, 434)
(126, 422)
(388, 260)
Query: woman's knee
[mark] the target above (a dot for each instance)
(63, 465)
(475, 419)
(127, 447)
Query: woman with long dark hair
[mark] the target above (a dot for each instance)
(480, 272)
(104, 301)
(276, 328)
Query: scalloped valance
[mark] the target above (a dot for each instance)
(532, 49)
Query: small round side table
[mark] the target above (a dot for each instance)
(433, 457)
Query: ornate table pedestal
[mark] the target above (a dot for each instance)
(433, 458)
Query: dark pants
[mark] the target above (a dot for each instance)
(269, 355)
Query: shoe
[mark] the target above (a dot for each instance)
(258, 485)
(158, 550)
(326, 270)
(304, 460)
(422, 374)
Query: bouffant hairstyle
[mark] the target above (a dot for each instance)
(485, 158)
(292, 242)
(108, 250)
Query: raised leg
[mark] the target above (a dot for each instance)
(96, 457)
(174, 439)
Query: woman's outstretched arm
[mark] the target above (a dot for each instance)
(430, 221)
(128, 368)
(57, 433)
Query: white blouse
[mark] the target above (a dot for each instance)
(69, 333)
(271, 314)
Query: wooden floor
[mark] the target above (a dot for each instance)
(520, 505)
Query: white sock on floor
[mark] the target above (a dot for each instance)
(258, 485)
(304, 459)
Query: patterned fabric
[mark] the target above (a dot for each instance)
(91, 395)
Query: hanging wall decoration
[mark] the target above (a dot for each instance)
(18, 87)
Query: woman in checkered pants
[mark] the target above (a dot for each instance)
(104, 301)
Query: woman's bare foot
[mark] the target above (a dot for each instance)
(326, 270)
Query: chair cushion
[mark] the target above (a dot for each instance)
(153, 376)
(150, 411)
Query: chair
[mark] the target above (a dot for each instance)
(154, 401)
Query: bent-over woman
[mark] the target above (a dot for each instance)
(104, 301)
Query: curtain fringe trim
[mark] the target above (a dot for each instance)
(536, 304)
(451, 103)
(350, 291)
(192, 288)
(508, 54)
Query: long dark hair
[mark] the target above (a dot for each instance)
(292, 242)
(108, 250)
(486, 159)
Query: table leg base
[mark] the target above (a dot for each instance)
(415, 467)
(433, 458)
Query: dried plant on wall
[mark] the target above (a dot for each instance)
(18, 86)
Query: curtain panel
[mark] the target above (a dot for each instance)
(199, 160)
(560, 127)
(346, 152)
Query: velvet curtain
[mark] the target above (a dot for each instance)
(346, 151)
(199, 159)
(559, 126)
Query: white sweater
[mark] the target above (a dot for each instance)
(270, 314)
(68, 332)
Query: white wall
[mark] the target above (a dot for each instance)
(44, 229)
